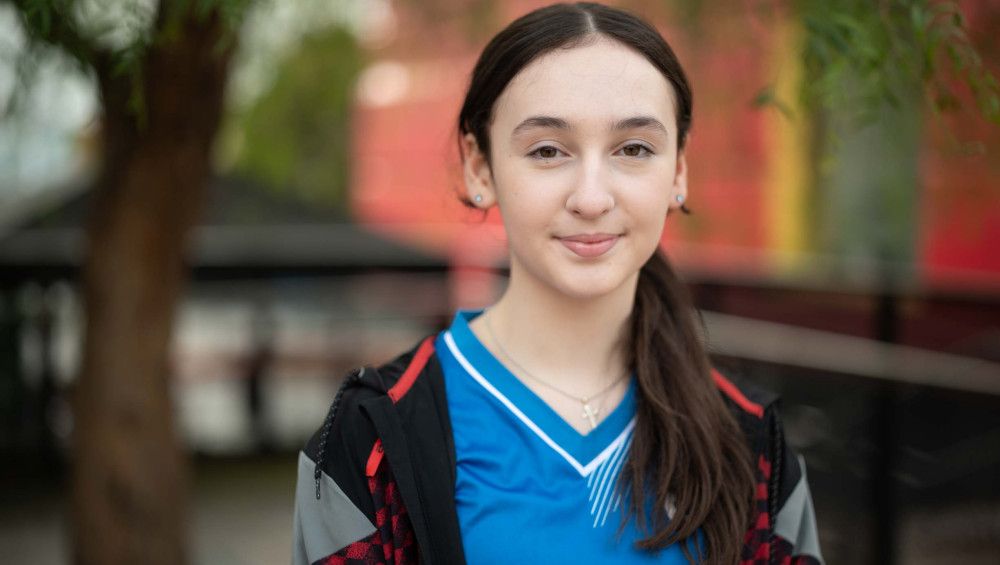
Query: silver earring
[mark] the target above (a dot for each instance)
(679, 198)
(479, 198)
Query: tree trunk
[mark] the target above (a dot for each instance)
(130, 472)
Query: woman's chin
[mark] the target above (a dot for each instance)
(589, 287)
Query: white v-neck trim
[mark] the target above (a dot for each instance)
(584, 470)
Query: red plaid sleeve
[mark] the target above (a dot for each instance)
(393, 541)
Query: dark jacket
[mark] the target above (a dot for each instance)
(376, 483)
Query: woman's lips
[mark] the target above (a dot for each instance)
(590, 246)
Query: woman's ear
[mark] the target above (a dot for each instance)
(477, 173)
(680, 185)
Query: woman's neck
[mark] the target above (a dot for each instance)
(574, 344)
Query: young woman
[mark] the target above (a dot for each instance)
(577, 419)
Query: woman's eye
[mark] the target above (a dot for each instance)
(545, 152)
(636, 150)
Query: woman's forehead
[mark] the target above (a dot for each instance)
(601, 81)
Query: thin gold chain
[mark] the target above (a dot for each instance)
(584, 400)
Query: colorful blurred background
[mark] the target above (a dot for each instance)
(211, 211)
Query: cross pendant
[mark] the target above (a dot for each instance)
(590, 413)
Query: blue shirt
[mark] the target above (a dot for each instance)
(529, 487)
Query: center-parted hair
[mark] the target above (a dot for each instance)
(687, 449)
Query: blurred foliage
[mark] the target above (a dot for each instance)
(862, 54)
(110, 34)
(296, 136)
(889, 47)
(86, 29)
(873, 72)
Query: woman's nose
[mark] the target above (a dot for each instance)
(592, 196)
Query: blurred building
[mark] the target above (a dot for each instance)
(285, 299)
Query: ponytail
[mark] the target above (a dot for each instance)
(688, 451)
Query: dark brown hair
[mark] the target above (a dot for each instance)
(688, 449)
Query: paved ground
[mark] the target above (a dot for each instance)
(242, 515)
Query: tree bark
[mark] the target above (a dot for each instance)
(130, 472)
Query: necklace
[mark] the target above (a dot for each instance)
(589, 412)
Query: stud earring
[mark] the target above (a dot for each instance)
(479, 198)
(680, 200)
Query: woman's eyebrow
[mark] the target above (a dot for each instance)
(640, 122)
(540, 122)
(635, 122)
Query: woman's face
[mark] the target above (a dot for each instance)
(585, 167)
